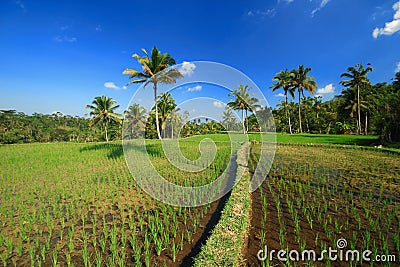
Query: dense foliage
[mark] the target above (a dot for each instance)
(361, 108)
(375, 109)
(17, 127)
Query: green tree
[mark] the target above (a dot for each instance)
(154, 70)
(165, 105)
(135, 120)
(103, 109)
(228, 119)
(301, 80)
(283, 80)
(244, 102)
(356, 78)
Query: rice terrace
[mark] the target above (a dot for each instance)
(255, 133)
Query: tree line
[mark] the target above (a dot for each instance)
(361, 108)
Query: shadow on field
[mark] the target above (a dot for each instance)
(115, 151)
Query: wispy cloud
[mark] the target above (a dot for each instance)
(262, 13)
(194, 89)
(286, 1)
(280, 95)
(391, 27)
(98, 28)
(326, 90)
(21, 5)
(397, 67)
(111, 85)
(218, 104)
(187, 68)
(321, 6)
(64, 38)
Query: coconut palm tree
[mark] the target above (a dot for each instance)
(301, 80)
(103, 109)
(351, 102)
(244, 102)
(228, 119)
(356, 78)
(283, 80)
(154, 70)
(135, 119)
(165, 105)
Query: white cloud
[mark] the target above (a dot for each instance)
(280, 95)
(392, 26)
(218, 104)
(111, 85)
(326, 90)
(321, 5)
(318, 96)
(21, 5)
(263, 13)
(61, 39)
(98, 28)
(194, 89)
(397, 67)
(187, 68)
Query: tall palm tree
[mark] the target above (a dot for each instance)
(244, 102)
(301, 80)
(135, 119)
(228, 119)
(154, 70)
(351, 102)
(356, 78)
(318, 108)
(283, 80)
(165, 105)
(103, 109)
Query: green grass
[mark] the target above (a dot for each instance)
(224, 246)
(62, 202)
(338, 139)
(359, 140)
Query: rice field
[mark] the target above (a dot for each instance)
(72, 204)
(315, 196)
(78, 205)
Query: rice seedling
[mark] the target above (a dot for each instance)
(328, 191)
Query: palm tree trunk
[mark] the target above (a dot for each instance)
(155, 102)
(300, 128)
(105, 130)
(359, 130)
(319, 127)
(366, 123)
(244, 126)
(247, 122)
(287, 114)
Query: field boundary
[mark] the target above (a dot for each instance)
(224, 246)
(376, 149)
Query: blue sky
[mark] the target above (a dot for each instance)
(59, 55)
